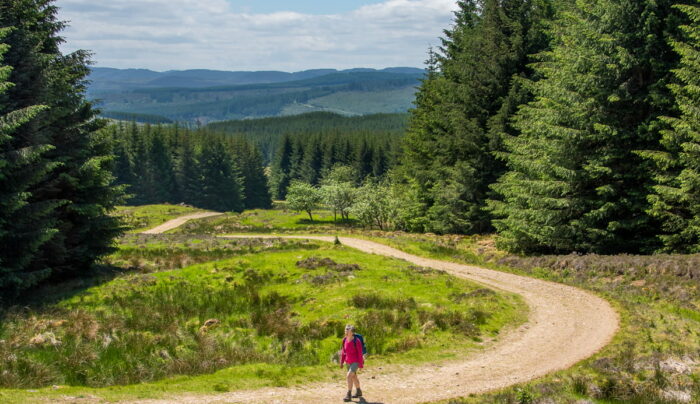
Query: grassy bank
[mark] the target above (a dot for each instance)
(264, 313)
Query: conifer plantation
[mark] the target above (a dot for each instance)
(56, 175)
(463, 107)
(567, 126)
(170, 164)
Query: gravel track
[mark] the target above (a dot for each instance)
(565, 325)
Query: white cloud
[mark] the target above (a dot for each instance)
(183, 34)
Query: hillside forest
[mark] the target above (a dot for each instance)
(548, 123)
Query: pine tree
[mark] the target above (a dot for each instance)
(676, 200)
(222, 185)
(575, 181)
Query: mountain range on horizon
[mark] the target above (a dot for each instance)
(110, 79)
(204, 96)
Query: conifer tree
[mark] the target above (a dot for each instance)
(79, 182)
(257, 194)
(222, 187)
(162, 185)
(312, 163)
(449, 148)
(575, 181)
(676, 200)
(190, 176)
(23, 223)
(282, 167)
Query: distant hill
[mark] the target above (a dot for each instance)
(207, 96)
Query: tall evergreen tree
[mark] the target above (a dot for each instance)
(24, 224)
(161, 170)
(312, 162)
(449, 148)
(257, 193)
(222, 185)
(676, 200)
(79, 183)
(190, 175)
(576, 183)
(282, 167)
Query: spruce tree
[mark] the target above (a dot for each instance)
(449, 149)
(281, 168)
(312, 162)
(257, 194)
(575, 181)
(79, 182)
(222, 185)
(189, 173)
(24, 224)
(676, 198)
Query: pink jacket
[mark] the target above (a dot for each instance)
(352, 352)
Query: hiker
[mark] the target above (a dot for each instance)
(353, 353)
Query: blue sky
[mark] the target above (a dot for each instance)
(255, 35)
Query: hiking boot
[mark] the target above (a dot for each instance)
(348, 397)
(358, 394)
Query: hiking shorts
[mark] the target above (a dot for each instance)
(352, 367)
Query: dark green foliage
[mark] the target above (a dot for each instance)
(21, 167)
(257, 193)
(676, 197)
(465, 100)
(222, 187)
(267, 133)
(135, 117)
(172, 164)
(59, 178)
(575, 181)
(310, 157)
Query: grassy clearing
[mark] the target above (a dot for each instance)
(655, 358)
(140, 218)
(248, 320)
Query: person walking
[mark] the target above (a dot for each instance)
(352, 354)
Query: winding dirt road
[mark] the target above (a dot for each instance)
(565, 326)
(177, 222)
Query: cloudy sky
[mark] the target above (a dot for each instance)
(289, 35)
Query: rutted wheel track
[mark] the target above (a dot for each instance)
(565, 326)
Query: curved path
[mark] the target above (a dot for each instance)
(565, 326)
(179, 221)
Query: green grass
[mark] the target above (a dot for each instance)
(280, 220)
(279, 322)
(140, 218)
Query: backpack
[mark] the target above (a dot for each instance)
(362, 340)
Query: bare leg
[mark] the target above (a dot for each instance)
(356, 380)
(351, 379)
